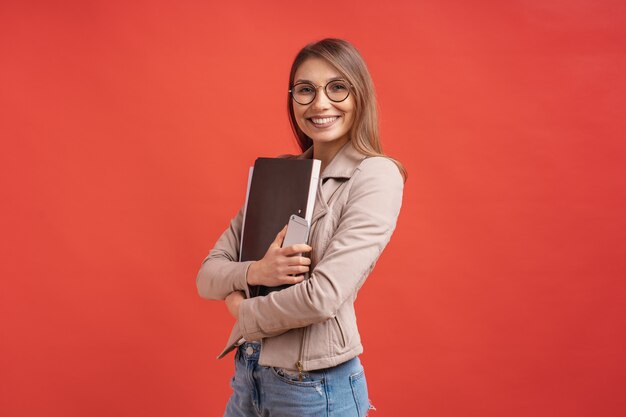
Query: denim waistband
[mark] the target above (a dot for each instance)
(250, 350)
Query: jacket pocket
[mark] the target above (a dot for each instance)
(342, 336)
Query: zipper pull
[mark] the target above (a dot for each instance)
(299, 366)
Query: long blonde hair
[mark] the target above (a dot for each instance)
(342, 55)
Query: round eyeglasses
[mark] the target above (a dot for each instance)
(305, 92)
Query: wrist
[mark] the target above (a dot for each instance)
(251, 273)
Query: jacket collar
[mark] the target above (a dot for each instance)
(342, 165)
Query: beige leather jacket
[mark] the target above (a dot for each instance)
(312, 325)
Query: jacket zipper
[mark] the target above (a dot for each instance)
(299, 363)
(314, 221)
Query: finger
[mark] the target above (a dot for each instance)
(235, 294)
(297, 248)
(298, 260)
(292, 279)
(280, 236)
(297, 278)
(298, 269)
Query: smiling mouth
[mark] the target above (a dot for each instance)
(323, 121)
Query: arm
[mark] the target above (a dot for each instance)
(365, 227)
(221, 273)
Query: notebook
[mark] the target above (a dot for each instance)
(277, 188)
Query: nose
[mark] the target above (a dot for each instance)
(320, 101)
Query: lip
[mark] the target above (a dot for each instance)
(321, 116)
(317, 126)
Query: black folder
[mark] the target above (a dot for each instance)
(277, 188)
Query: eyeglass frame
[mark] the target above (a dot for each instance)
(316, 88)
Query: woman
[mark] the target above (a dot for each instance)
(297, 349)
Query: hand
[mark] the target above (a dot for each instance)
(280, 266)
(232, 302)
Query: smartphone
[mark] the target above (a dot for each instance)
(297, 231)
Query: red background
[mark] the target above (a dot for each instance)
(127, 130)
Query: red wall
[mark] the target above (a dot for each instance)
(126, 134)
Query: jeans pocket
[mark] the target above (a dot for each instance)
(359, 392)
(293, 377)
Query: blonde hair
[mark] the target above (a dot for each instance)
(342, 55)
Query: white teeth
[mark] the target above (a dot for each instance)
(324, 120)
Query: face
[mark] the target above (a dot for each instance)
(323, 120)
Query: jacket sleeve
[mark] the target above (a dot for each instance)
(220, 272)
(365, 227)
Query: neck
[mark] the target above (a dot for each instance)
(326, 151)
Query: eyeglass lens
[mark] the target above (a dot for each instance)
(304, 93)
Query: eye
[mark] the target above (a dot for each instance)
(304, 89)
(338, 86)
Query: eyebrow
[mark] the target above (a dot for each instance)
(300, 80)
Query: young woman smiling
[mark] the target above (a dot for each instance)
(301, 345)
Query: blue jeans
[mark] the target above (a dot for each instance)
(262, 391)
